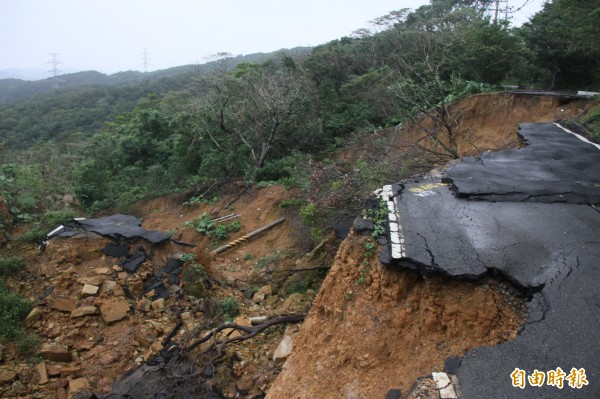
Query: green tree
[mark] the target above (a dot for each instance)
(565, 37)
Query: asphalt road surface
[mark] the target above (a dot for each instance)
(529, 216)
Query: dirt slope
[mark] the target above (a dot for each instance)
(95, 321)
(362, 339)
(482, 122)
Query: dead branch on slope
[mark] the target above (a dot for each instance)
(250, 332)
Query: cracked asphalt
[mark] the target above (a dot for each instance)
(528, 215)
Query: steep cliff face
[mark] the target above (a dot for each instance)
(374, 328)
(482, 122)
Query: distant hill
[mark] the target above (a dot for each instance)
(12, 89)
(29, 74)
(31, 112)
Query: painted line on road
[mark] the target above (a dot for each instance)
(395, 228)
(580, 137)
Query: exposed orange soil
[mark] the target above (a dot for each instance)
(362, 339)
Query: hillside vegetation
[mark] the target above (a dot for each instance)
(278, 118)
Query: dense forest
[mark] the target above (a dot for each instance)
(276, 118)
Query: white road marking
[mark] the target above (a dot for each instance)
(578, 136)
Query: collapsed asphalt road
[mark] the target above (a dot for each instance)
(527, 215)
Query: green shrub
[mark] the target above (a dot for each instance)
(230, 308)
(13, 310)
(201, 200)
(35, 234)
(52, 219)
(204, 225)
(10, 265)
(27, 345)
(291, 203)
(194, 280)
(308, 212)
(268, 260)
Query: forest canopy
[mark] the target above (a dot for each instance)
(261, 121)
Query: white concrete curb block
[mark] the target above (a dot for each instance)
(395, 228)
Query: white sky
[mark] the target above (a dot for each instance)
(110, 35)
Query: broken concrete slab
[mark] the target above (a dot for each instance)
(544, 244)
(554, 167)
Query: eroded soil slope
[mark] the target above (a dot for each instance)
(369, 332)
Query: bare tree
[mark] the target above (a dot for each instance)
(255, 106)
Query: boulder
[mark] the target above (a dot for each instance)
(159, 305)
(262, 293)
(78, 384)
(7, 376)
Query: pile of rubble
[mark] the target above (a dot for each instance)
(103, 307)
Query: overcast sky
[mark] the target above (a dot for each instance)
(111, 35)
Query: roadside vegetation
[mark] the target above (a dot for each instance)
(280, 120)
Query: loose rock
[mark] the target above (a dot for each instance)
(284, 349)
(43, 373)
(89, 290)
(33, 317)
(55, 353)
(78, 384)
(113, 310)
(84, 311)
(62, 304)
(7, 376)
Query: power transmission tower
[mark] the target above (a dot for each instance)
(145, 60)
(55, 72)
(498, 8)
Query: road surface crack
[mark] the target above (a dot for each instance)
(431, 256)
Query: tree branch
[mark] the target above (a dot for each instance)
(250, 332)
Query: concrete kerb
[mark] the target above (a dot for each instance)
(395, 227)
